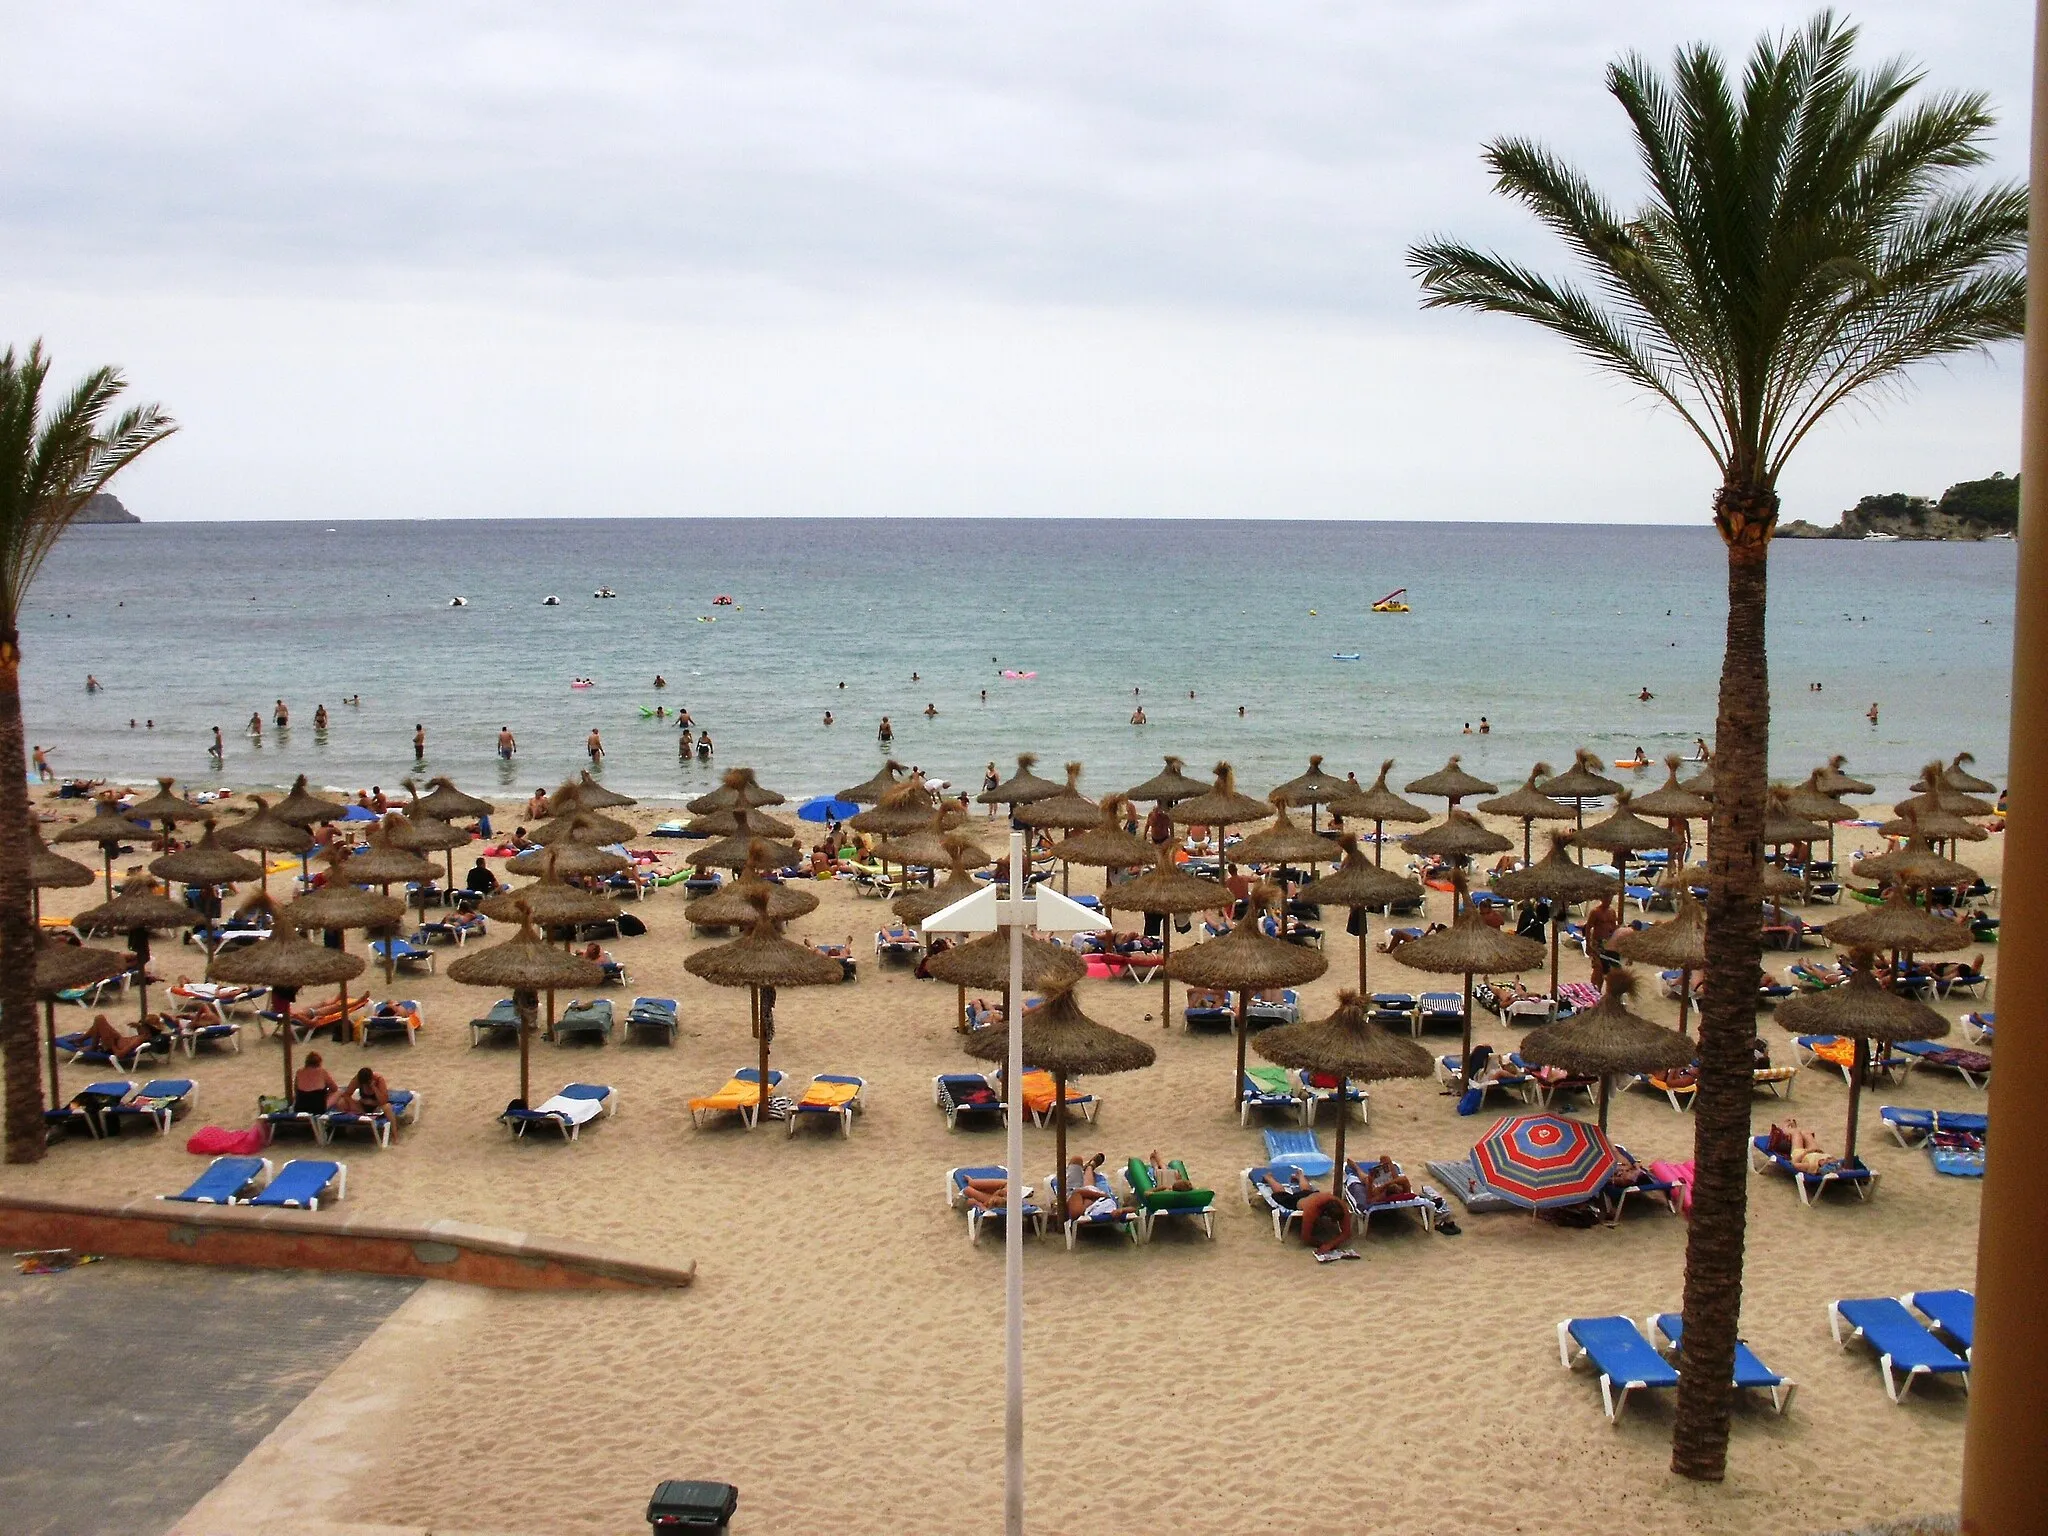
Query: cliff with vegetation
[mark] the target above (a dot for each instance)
(105, 508)
(1969, 509)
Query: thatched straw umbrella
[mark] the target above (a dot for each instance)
(142, 908)
(551, 902)
(1106, 846)
(1677, 945)
(385, 865)
(732, 905)
(1673, 804)
(1379, 805)
(1829, 779)
(1702, 783)
(1313, 789)
(962, 855)
(1957, 777)
(1067, 811)
(303, 808)
(205, 863)
(906, 808)
(525, 965)
(447, 803)
(1458, 837)
(1243, 961)
(1624, 833)
(1360, 885)
(725, 823)
(984, 963)
(49, 871)
(1863, 1011)
(1528, 805)
(1285, 843)
(263, 831)
(1022, 787)
(167, 810)
(593, 827)
(284, 962)
(1582, 782)
(342, 904)
(931, 845)
(593, 796)
(110, 829)
(1900, 927)
(1452, 782)
(1934, 789)
(1916, 867)
(1470, 947)
(1349, 1046)
(1220, 806)
(1936, 825)
(761, 960)
(1823, 809)
(1556, 879)
(871, 792)
(1168, 785)
(1607, 1039)
(738, 790)
(59, 968)
(1059, 1038)
(568, 860)
(1170, 892)
(734, 852)
(425, 834)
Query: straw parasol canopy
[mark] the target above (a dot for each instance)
(906, 808)
(425, 834)
(262, 831)
(1244, 961)
(387, 861)
(984, 963)
(735, 852)
(552, 904)
(1528, 805)
(167, 808)
(1702, 783)
(737, 791)
(1067, 811)
(1470, 947)
(725, 823)
(445, 802)
(593, 827)
(733, 904)
(1379, 805)
(1313, 789)
(1607, 1039)
(284, 962)
(1458, 836)
(1678, 944)
(1808, 800)
(1168, 785)
(1581, 781)
(1452, 782)
(1916, 866)
(1624, 833)
(914, 906)
(1671, 801)
(1862, 1011)
(303, 808)
(762, 959)
(1059, 1038)
(931, 845)
(1348, 1046)
(1937, 825)
(1959, 778)
(567, 860)
(1022, 787)
(525, 965)
(339, 905)
(49, 871)
(1948, 801)
(1829, 779)
(1219, 806)
(1555, 878)
(593, 796)
(871, 792)
(1286, 842)
(1360, 885)
(1107, 845)
(110, 829)
(140, 909)
(61, 967)
(204, 863)
(1167, 891)
(1899, 926)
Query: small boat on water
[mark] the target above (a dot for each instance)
(1346, 655)
(458, 602)
(604, 592)
(551, 601)
(721, 601)
(1392, 603)
(1880, 538)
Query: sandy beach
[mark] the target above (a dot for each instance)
(840, 1355)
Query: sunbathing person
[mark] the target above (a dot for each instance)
(988, 1194)
(1382, 1182)
(103, 1036)
(1318, 1209)
(1165, 1175)
(1625, 1172)
(313, 1088)
(1798, 1146)
(366, 1094)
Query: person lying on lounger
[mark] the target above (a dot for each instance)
(1798, 1146)
(988, 1194)
(1625, 1172)
(1165, 1175)
(103, 1036)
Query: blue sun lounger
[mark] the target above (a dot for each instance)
(956, 1195)
(1751, 1374)
(1207, 1015)
(1129, 1222)
(1354, 1196)
(1267, 1088)
(567, 1112)
(1973, 1067)
(158, 1101)
(99, 1098)
(1811, 1186)
(656, 1015)
(405, 1110)
(1298, 1149)
(960, 1094)
(1952, 1312)
(1909, 1127)
(1904, 1347)
(92, 1056)
(1623, 1357)
(225, 1181)
(503, 1019)
(301, 1184)
(403, 953)
(585, 1019)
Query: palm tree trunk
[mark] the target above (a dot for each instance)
(18, 1055)
(1745, 513)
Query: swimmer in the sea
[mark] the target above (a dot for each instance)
(1138, 715)
(931, 711)
(1645, 696)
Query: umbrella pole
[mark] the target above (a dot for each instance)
(1343, 1114)
(1684, 997)
(1364, 946)
(139, 942)
(551, 1013)
(1862, 1058)
(1166, 981)
(107, 854)
(1465, 1056)
(286, 996)
(762, 1028)
(50, 1040)
(1556, 930)
(1579, 806)
(1528, 833)
(1379, 832)
(1237, 1084)
(962, 1010)
(1605, 1084)
(1059, 1133)
(522, 1002)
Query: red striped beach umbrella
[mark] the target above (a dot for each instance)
(1544, 1160)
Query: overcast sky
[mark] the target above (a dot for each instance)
(820, 258)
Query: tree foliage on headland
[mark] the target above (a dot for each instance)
(1969, 509)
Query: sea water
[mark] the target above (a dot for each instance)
(1225, 632)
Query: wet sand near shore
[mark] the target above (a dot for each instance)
(840, 1358)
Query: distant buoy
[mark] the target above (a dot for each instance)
(551, 601)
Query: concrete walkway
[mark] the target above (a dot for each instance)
(133, 1389)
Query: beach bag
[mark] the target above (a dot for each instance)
(219, 1141)
(630, 927)
(1470, 1100)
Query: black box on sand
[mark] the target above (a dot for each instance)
(692, 1506)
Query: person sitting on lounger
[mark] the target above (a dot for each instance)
(314, 1089)
(1165, 1175)
(988, 1194)
(1382, 1181)
(482, 881)
(1625, 1172)
(366, 1094)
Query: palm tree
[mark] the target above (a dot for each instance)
(1805, 240)
(50, 467)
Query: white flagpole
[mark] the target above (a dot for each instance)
(1013, 1220)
